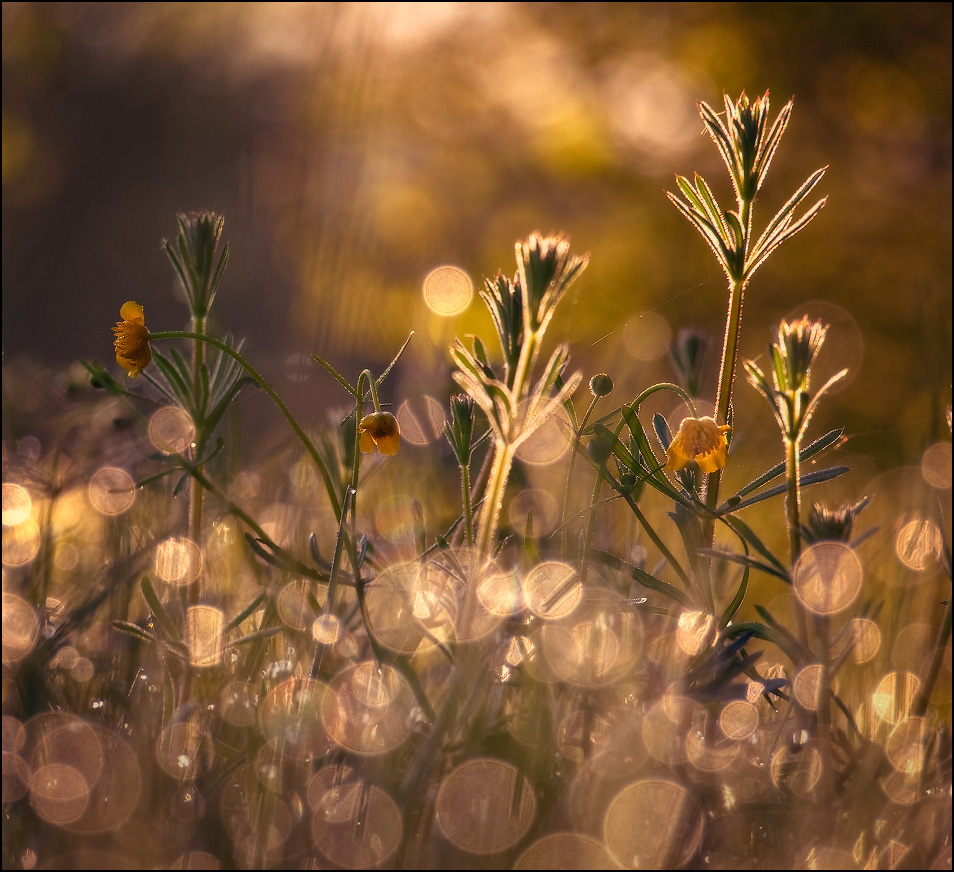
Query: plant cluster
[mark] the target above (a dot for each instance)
(206, 669)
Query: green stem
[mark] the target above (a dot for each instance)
(793, 499)
(730, 355)
(588, 525)
(195, 496)
(265, 386)
(467, 505)
(504, 453)
(351, 494)
(565, 536)
(921, 704)
(493, 500)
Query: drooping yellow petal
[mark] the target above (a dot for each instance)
(132, 311)
(366, 443)
(132, 339)
(380, 430)
(701, 441)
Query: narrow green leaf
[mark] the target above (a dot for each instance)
(806, 453)
(707, 232)
(394, 361)
(173, 376)
(256, 635)
(743, 531)
(133, 630)
(736, 602)
(663, 433)
(770, 143)
(803, 481)
(158, 611)
(246, 612)
(714, 211)
(644, 578)
(746, 561)
(337, 375)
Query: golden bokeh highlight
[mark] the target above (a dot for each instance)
(85, 778)
(58, 793)
(647, 336)
(20, 542)
(13, 734)
(178, 560)
(366, 710)
(936, 465)
(695, 631)
(796, 769)
(354, 824)
(597, 643)
(171, 430)
(909, 743)
(583, 733)
(895, 695)
(739, 719)
(296, 603)
(112, 491)
(394, 518)
(326, 629)
(912, 648)
(292, 714)
(548, 442)
(710, 754)
(390, 608)
(21, 626)
(421, 421)
(500, 592)
(205, 626)
(865, 636)
(565, 851)
(448, 290)
(666, 725)
(538, 506)
(807, 686)
(918, 544)
(827, 577)
(485, 805)
(17, 504)
(552, 589)
(177, 750)
(653, 824)
(238, 702)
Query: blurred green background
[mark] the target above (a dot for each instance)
(355, 147)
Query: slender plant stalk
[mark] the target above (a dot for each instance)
(195, 490)
(930, 679)
(793, 498)
(730, 355)
(565, 535)
(504, 453)
(467, 503)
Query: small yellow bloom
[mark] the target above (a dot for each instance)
(700, 441)
(379, 430)
(132, 339)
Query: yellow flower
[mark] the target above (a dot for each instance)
(700, 441)
(379, 430)
(132, 339)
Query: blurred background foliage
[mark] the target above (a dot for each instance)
(354, 147)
